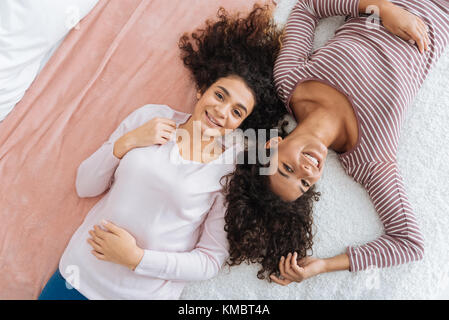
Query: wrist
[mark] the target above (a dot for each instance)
(136, 258)
(384, 6)
(365, 6)
(123, 145)
(326, 266)
(337, 263)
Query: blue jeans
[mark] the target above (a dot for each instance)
(56, 289)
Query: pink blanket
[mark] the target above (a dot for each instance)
(124, 56)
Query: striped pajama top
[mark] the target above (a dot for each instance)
(380, 74)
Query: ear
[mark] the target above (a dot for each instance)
(199, 95)
(273, 142)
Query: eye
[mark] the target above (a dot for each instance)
(237, 113)
(304, 182)
(219, 96)
(288, 169)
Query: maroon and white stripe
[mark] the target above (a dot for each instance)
(380, 74)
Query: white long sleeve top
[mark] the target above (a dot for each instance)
(173, 207)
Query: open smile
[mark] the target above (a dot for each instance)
(212, 121)
(314, 158)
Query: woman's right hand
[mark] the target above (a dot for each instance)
(155, 131)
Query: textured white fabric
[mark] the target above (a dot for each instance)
(345, 215)
(30, 31)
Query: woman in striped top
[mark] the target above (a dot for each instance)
(351, 96)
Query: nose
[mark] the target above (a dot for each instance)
(308, 169)
(222, 110)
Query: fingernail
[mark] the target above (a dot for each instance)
(282, 258)
(104, 222)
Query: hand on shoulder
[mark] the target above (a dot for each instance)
(156, 131)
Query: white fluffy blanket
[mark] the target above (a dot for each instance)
(345, 215)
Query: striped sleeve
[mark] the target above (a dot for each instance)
(402, 241)
(299, 35)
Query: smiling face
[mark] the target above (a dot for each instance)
(224, 105)
(293, 170)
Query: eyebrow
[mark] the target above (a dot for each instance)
(287, 177)
(229, 95)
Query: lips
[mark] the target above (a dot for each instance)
(312, 159)
(314, 155)
(212, 120)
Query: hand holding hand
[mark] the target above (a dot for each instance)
(292, 270)
(115, 245)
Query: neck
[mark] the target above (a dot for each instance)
(321, 122)
(195, 139)
(195, 144)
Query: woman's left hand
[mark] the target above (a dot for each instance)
(406, 25)
(115, 245)
(292, 270)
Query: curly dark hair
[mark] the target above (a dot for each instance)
(245, 47)
(260, 226)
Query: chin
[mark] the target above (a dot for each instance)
(211, 132)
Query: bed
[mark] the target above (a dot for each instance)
(101, 71)
(31, 31)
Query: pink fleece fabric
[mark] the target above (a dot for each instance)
(124, 56)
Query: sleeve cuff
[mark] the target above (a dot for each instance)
(354, 8)
(111, 148)
(153, 264)
(351, 259)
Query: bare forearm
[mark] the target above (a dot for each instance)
(123, 145)
(340, 262)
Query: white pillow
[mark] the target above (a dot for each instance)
(30, 32)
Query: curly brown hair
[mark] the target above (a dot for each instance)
(260, 226)
(243, 46)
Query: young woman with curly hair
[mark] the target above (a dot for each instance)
(261, 227)
(349, 96)
(163, 215)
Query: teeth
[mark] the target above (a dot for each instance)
(210, 118)
(315, 161)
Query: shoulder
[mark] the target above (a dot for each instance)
(156, 110)
(218, 208)
(150, 111)
(373, 172)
